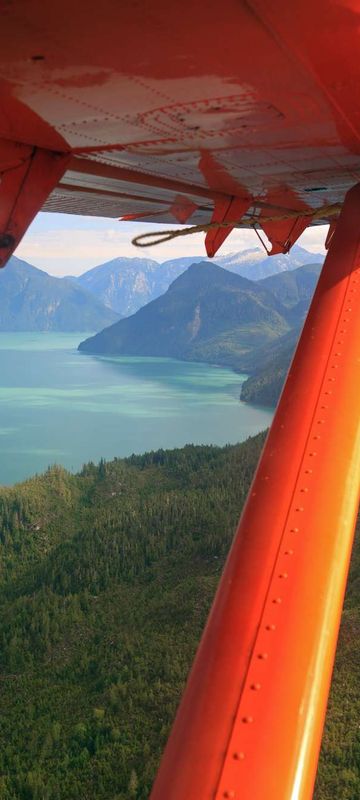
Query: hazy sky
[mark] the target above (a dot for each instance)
(62, 244)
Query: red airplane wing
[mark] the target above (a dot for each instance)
(236, 113)
(167, 112)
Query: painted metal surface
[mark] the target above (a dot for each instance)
(28, 174)
(224, 211)
(250, 722)
(156, 101)
(164, 112)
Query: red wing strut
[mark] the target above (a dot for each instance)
(223, 116)
(250, 723)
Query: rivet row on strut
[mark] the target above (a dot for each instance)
(254, 685)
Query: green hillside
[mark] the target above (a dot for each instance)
(208, 314)
(32, 300)
(271, 365)
(106, 581)
(295, 286)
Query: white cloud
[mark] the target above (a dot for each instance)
(313, 238)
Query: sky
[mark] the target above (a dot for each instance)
(62, 244)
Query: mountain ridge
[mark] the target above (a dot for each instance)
(270, 366)
(205, 307)
(213, 315)
(127, 284)
(33, 300)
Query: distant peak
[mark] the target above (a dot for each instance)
(200, 269)
(204, 265)
(206, 274)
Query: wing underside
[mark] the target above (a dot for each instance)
(243, 113)
(170, 115)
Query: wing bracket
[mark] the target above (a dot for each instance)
(27, 176)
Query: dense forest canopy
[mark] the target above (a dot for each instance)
(106, 581)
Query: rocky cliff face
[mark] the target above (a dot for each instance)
(127, 284)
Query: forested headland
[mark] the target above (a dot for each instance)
(106, 581)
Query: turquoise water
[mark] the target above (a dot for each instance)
(57, 405)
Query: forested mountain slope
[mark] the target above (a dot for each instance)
(207, 314)
(269, 365)
(32, 300)
(105, 583)
(294, 290)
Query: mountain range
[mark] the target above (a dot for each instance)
(32, 300)
(210, 314)
(207, 314)
(127, 284)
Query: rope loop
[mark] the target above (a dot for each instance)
(159, 237)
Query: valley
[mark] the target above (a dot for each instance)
(107, 575)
